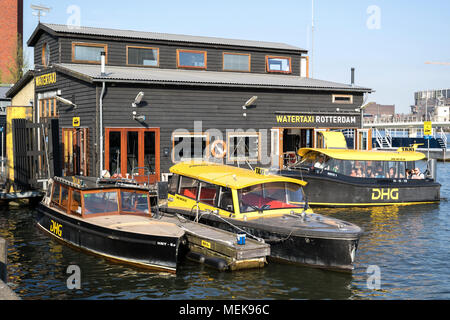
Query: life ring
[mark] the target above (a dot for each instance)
(222, 145)
(292, 158)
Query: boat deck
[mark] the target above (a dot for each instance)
(137, 224)
(214, 242)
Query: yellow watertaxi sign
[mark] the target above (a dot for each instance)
(427, 128)
(322, 119)
(46, 79)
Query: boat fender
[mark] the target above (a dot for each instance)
(195, 256)
(221, 151)
(216, 263)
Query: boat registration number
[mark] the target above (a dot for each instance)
(56, 228)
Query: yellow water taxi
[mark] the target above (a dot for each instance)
(266, 207)
(344, 178)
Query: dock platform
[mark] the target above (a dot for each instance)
(219, 248)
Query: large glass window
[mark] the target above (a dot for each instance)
(236, 62)
(56, 193)
(114, 152)
(87, 52)
(150, 150)
(242, 147)
(132, 150)
(101, 202)
(173, 184)
(226, 199)
(189, 146)
(191, 59)
(278, 64)
(75, 206)
(134, 202)
(208, 193)
(274, 195)
(143, 56)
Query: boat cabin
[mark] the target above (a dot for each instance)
(362, 164)
(88, 197)
(233, 192)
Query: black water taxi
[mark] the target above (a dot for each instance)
(265, 207)
(109, 218)
(349, 178)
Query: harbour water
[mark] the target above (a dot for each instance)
(407, 247)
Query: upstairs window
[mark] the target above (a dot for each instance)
(236, 62)
(191, 59)
(143, 56)
(342, 98)
(45, 54)
(88, 52)
(278, 64)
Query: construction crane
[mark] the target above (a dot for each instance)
(442, 63)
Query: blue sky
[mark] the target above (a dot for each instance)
(386, 41)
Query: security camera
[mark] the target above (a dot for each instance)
(138, 99)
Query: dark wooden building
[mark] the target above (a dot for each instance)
(242, 102)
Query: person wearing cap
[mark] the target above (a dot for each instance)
(417, 174)
(320, 164)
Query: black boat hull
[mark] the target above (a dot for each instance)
(322, 250)
(153, 252)
(327, 189)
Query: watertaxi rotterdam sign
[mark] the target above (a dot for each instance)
(319, 120)
(46, 79)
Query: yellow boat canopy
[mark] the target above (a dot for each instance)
(227, 176)
(334, 140)
(366, 155)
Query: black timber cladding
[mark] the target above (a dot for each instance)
(206, 96)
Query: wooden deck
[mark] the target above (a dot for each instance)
(220, 244)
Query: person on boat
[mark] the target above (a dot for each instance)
(353, 174)
(408, 174)
(320, 162)
(369, 173)
(379, 173)
(392, 173)
(359, 173)
(417, 174)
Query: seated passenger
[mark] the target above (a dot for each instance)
(320, 162)
(392, 173)
(408, 174)
(417, 174)
(353, 174)
(379, 173)
(369, 173)
(359, 173)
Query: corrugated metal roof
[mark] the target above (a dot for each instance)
(195, 77)
(59, 28)
(3, 91)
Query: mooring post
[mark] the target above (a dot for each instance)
(3, 259)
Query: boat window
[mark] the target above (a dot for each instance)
(226, 199)
(188, 187)
(100, 202)
(64, 197)
(208, 193)
(75, 206)
(134, 202)
(173, 183)
(267, 196)
(294, 193)
(56, 193)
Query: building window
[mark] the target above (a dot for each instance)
(45, 54)
(88, 52)
(143, 56)
(278, 64)
(191, 59)
(48, 108)
(236, 62)
(243, 146)
(342, 98)
(189, 146)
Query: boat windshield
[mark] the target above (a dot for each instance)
(359, 168)
(134, 202)
(108, 202)
(268, 196)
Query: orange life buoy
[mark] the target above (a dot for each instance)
(222, 152)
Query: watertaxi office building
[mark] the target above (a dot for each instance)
(153, 85)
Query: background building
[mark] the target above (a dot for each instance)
(11, 33)
(428, 101)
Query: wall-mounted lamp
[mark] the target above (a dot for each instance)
(138, 99)
(250, 102)
(138, 117)
(65, 101)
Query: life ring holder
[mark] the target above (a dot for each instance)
(213, 149)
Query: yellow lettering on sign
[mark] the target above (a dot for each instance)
(261, 171)
(45, 79)
(56, 228)
(206, 244)
(385, 194)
